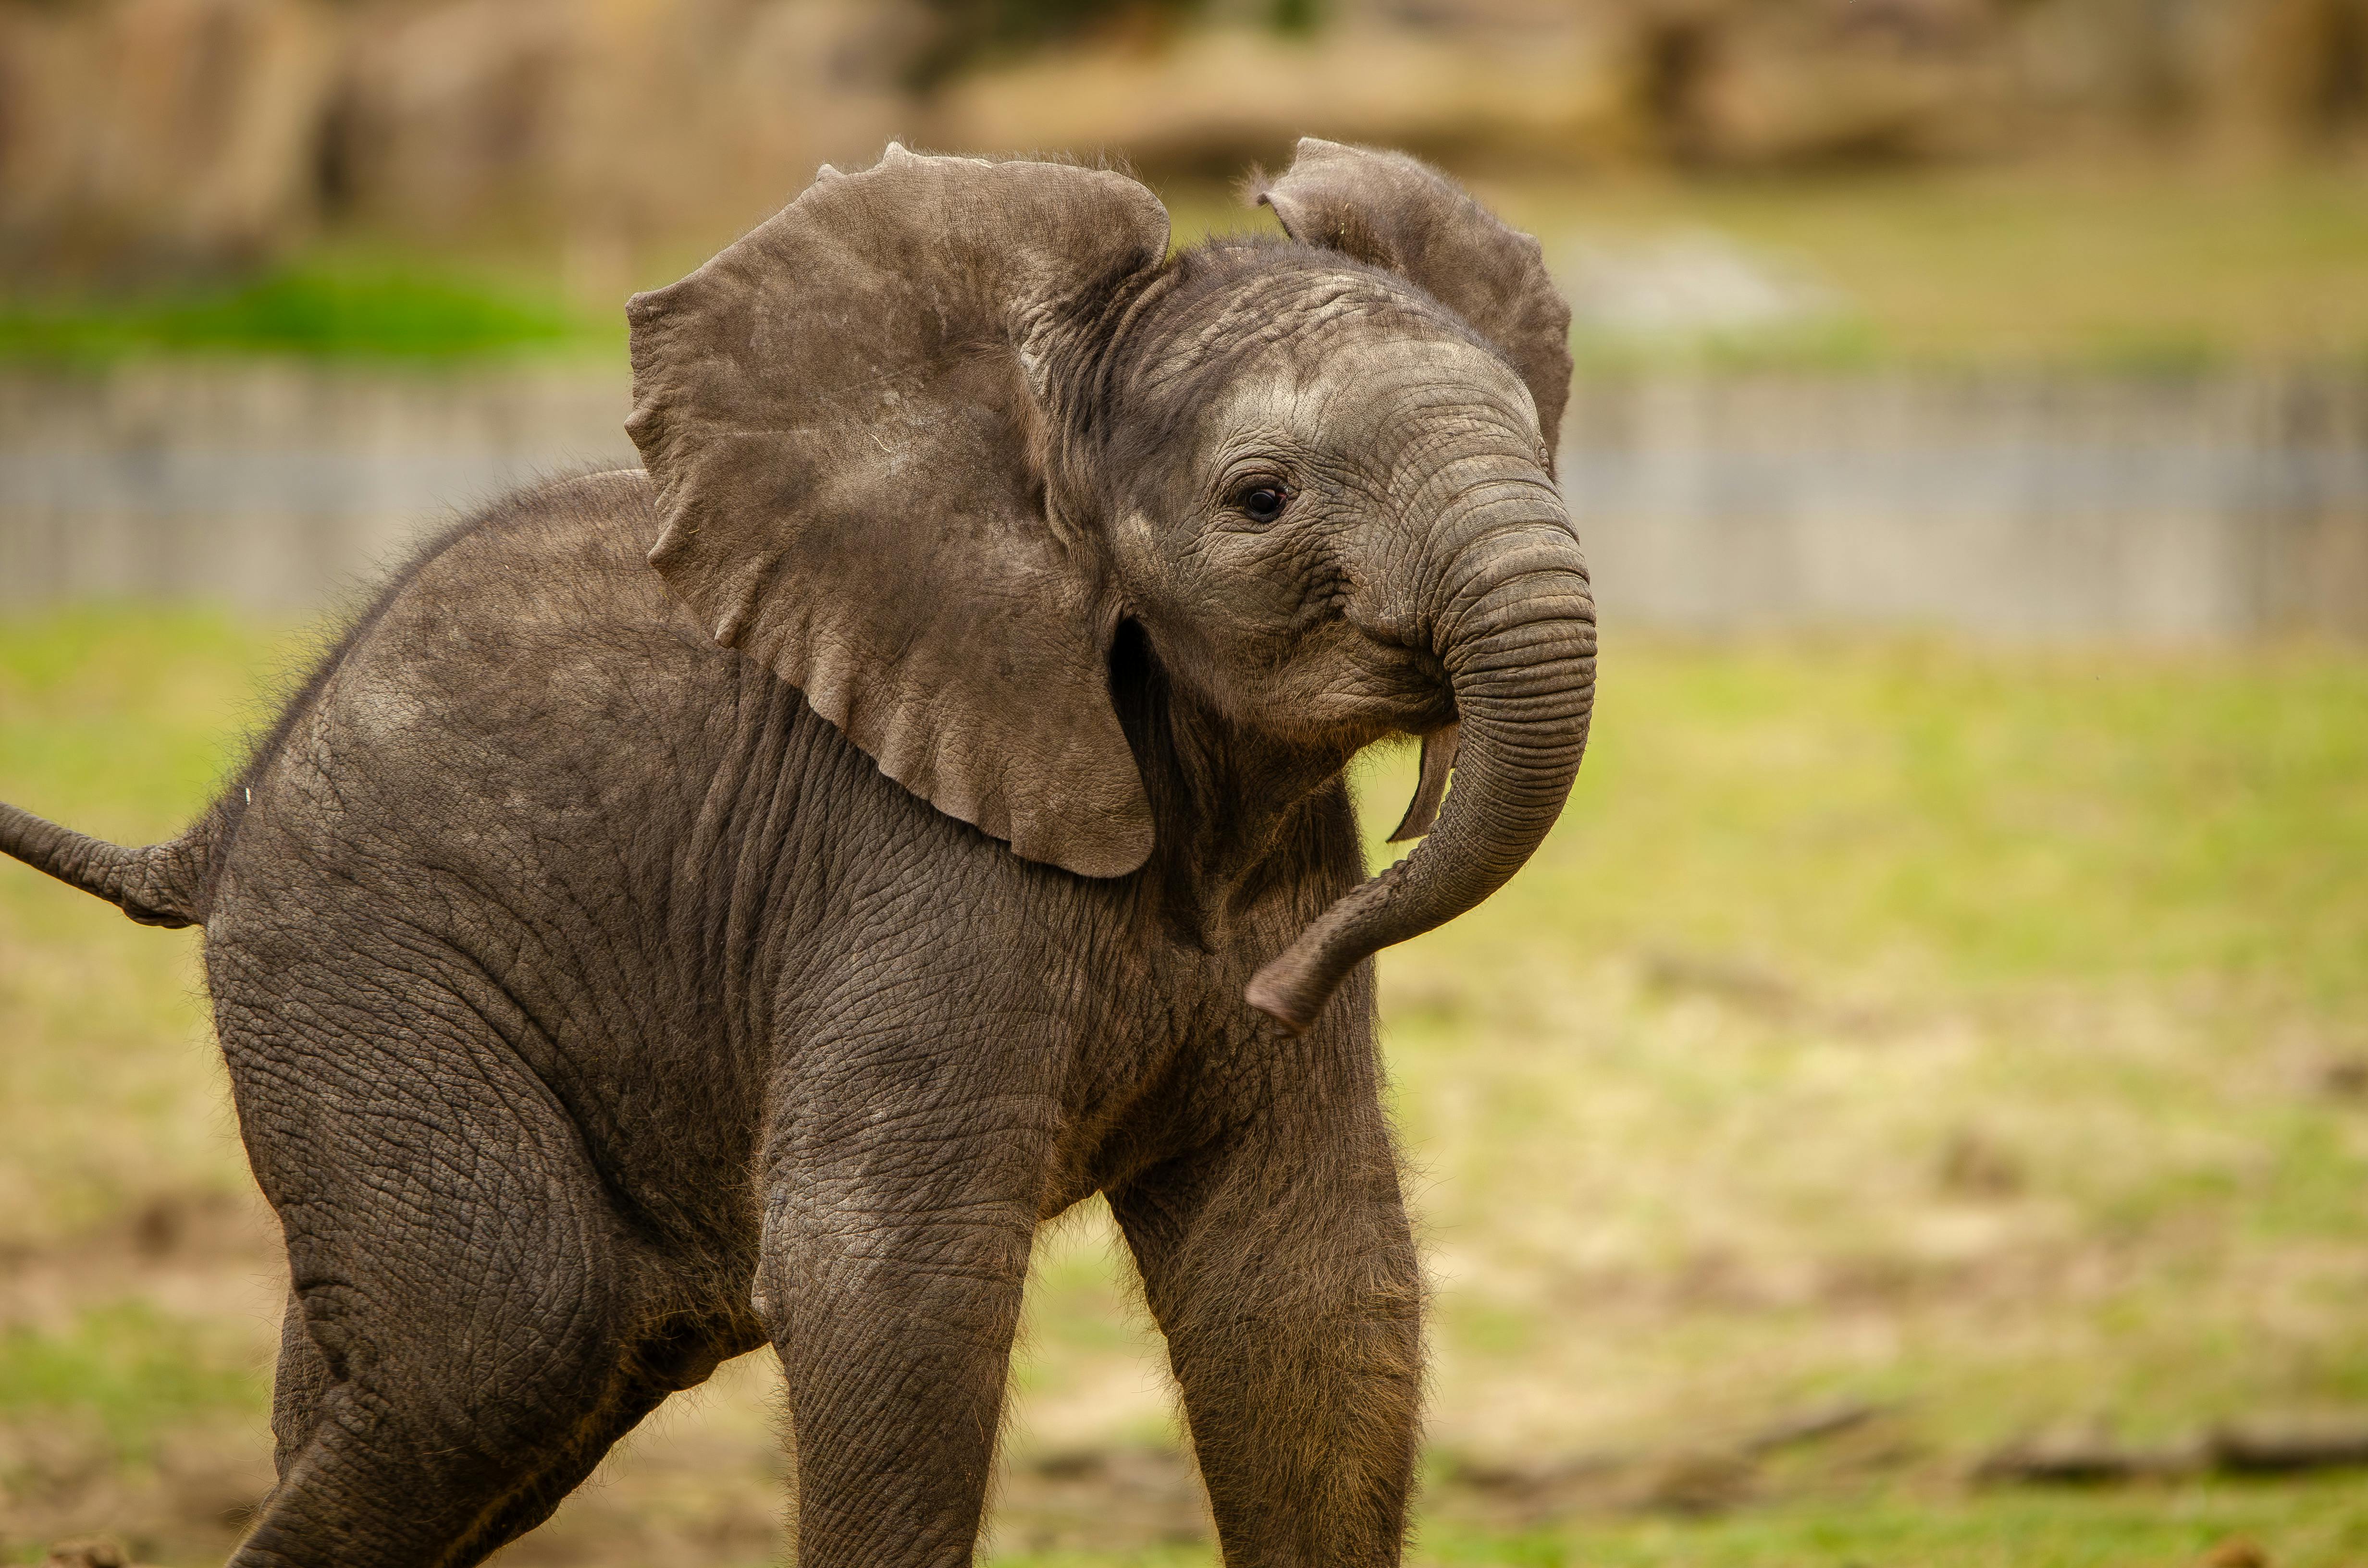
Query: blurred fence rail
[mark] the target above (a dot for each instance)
(2027, 506)
(2022, 506)
(268, 486)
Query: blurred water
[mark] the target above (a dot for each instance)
(2019, 506)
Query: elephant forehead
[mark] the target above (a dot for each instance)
(1289, 298)
(1285, 306)
(1349, 388)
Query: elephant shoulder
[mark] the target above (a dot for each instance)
(540, 610)
(563, 561)
(569, 552)
(530, 629)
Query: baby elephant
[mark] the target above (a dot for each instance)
(740, 902)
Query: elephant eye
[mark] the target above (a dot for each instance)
(1261, 500)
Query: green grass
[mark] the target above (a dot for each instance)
(2321, 1524)
(130, 1369)
(407, 312)
(1975, 1032)
(1989, 819)
(119, 721)
(2144, 267)
(1694, 1093)
(2314, 1524)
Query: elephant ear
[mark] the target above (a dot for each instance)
(1395, 212)
(844, 415)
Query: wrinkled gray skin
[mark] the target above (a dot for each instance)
(622, 969)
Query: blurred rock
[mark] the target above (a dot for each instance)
(169, 135)
(1975, 1165)
(613, 121)
(2276, 76)
(2086, 1456)
(1210, 101)
(157, 134)
(1820, 80)
(1703, 83)
(1698, 1485)
(2294, 73)
(447, 111)
(2278, 1445)
(89, 1551)
(147, 136)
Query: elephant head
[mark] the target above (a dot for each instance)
(926, 438)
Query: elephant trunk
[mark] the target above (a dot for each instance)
(1514, 623)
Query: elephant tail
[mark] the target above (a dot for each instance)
(164, 884)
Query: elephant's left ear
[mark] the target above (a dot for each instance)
(845, 417)
(1393, 212)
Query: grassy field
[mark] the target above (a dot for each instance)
(2137, 267)
(1973, 1044)
(2143, 266)
(373, 306)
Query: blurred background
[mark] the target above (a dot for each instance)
(1915, 1109)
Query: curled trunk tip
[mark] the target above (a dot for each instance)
(1293, 987)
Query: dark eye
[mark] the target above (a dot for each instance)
(1261, 500)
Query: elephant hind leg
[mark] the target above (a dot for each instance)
(438, 1432)
(473, 1324)
(368, 1488)
(435, 1445)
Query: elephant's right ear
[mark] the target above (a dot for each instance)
(844, 415)
(1400, 214)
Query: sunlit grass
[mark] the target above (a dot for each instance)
(2305, 1524)
(409, 309)
(2141, 267)
(2317, 1523)
(2144, 267)
(1985, 819)
(120, 722)
(1975, 1033)
(1909, 1023)
(2138, 267)
(129, 1370)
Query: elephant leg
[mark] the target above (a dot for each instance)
(298, 1387)
(467, 1335)
(895, 1253)
(366, 1490)
(1281, 1269)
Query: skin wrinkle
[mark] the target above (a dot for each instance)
(549, 953)
(597, 1010)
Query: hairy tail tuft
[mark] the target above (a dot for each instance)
(161, 885)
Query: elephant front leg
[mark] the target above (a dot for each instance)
(1284, 1277)
(893, 1305)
